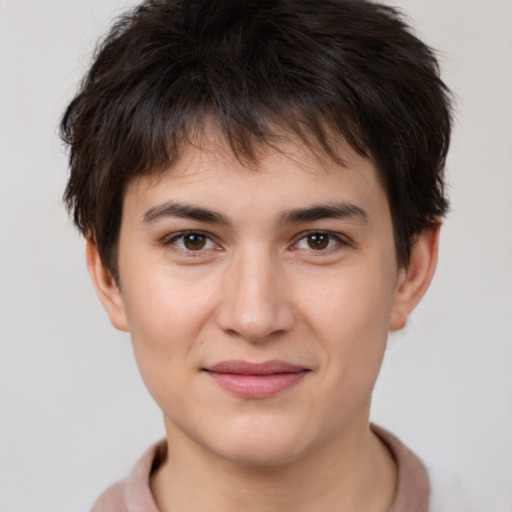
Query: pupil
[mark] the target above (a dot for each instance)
(195, 242)
(318, 241)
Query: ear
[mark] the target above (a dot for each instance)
(414, 280)
(106, 287)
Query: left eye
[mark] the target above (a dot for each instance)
(192, 241)
(318, 241)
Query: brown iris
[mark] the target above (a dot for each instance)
(194, 241)
(318, 241)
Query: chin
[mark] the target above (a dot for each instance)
(260, 445)
(260, 454)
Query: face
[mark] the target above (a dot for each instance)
(259, 299)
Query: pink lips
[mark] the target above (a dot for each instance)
(256, 380)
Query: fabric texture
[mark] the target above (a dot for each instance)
(133, 494)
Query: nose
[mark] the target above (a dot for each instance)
(255, 303)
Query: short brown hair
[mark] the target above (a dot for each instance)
(351, 68)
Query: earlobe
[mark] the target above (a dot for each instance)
(106, 287)
(415, 279)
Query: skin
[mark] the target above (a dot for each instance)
(258, 283)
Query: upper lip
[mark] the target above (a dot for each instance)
(238, 367)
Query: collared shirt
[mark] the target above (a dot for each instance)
(133, 494)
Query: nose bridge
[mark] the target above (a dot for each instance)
(255, 302)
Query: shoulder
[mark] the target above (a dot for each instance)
(112, 500)
(412, 486)
(419, 488)
(134, 492)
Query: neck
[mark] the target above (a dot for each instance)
(353, 471)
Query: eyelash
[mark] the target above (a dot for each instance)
(339, 242)
(172, 242)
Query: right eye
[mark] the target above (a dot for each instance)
(191, 241)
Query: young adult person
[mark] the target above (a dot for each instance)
(260, 185)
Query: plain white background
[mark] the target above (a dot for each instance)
(74, 413)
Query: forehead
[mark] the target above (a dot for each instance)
(289, 175)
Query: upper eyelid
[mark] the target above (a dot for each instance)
(179, 234)
(342, 238)
(169, 239)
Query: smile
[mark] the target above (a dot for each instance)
(256, 380)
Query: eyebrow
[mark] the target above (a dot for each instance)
(184, 211)
(324, 211)
(295, 216)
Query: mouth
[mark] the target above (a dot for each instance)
(256, 380)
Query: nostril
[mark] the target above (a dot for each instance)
(258, 325)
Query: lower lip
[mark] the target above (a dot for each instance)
(257, 386)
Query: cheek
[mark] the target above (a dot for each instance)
(166, 316)
(166, 303)
(351, 320)
(350, 302)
